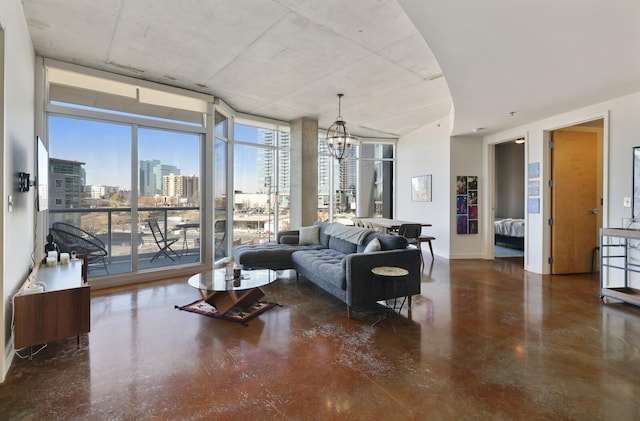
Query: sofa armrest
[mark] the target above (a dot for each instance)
(362, 286)
(288, 237)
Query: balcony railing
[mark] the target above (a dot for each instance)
(114, 227)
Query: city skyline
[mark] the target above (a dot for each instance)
(105, 148)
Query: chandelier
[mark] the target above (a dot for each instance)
(339, 140)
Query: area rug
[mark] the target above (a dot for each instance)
(500, 251)
(233, 315)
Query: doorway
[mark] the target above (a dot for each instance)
(576, 196)
(509, 200)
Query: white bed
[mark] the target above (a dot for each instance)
(510, 231)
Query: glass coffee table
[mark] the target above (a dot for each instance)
(225, 292)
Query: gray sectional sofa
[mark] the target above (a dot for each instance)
(335, 260)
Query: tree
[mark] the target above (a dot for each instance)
(116, 200)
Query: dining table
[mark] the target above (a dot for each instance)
(390, 225)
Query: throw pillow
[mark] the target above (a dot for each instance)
(374, 245)
(309, 235)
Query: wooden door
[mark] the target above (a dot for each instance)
(574, 201)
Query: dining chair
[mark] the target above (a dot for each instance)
(427, 239)
(369, 225)
(412, 233)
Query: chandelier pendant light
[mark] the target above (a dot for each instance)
(339, 140)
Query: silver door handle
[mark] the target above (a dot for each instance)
(594, 211)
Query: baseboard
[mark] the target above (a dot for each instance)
(466, 256)
(9, 353)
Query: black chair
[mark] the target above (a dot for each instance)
(71, 238)
(164, 243)
(220, 243)
(426, 239)
(412, 233)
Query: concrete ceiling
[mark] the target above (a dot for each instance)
(284, 59)
(531, 57)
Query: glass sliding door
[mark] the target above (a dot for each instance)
(168, 197)
(90, 189)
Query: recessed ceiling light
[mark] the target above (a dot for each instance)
(478, 129)
(520, 140)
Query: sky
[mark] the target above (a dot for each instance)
(105, 148)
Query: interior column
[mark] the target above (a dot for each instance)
(304, 172)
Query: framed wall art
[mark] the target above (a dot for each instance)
(467, 204)
(421, 188)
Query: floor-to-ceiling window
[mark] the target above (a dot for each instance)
(261, 182)
(375, 180)
(360, 185)
(90, 185)
(132, 164)
(124, 171)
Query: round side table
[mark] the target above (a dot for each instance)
(390, 274)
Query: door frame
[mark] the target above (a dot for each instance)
(493, 194)
(537, 135)
(604, 153)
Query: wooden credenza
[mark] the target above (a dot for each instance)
(61, 311)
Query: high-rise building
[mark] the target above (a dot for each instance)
(65, 183)
(65, 188)
(147, 181)
(267, 161)
(151, 172)
(174, 185)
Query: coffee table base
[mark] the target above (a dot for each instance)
(224, 301)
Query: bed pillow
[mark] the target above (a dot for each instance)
(373, 245)
(309, 235)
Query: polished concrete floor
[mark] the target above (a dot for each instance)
(485, 341)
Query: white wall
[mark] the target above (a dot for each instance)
(621, 134)
(466, 159)
(18, 154)
(422, 152)
(510, 180)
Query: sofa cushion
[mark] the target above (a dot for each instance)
(288, 239)
(324, 238)
(325, 264)
(387, 241)
(309, 235)
(342, 246)
(373, 245)
(268, 255)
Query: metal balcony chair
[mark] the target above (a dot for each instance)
(220, 233)
(164, 243)
(71, 238)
